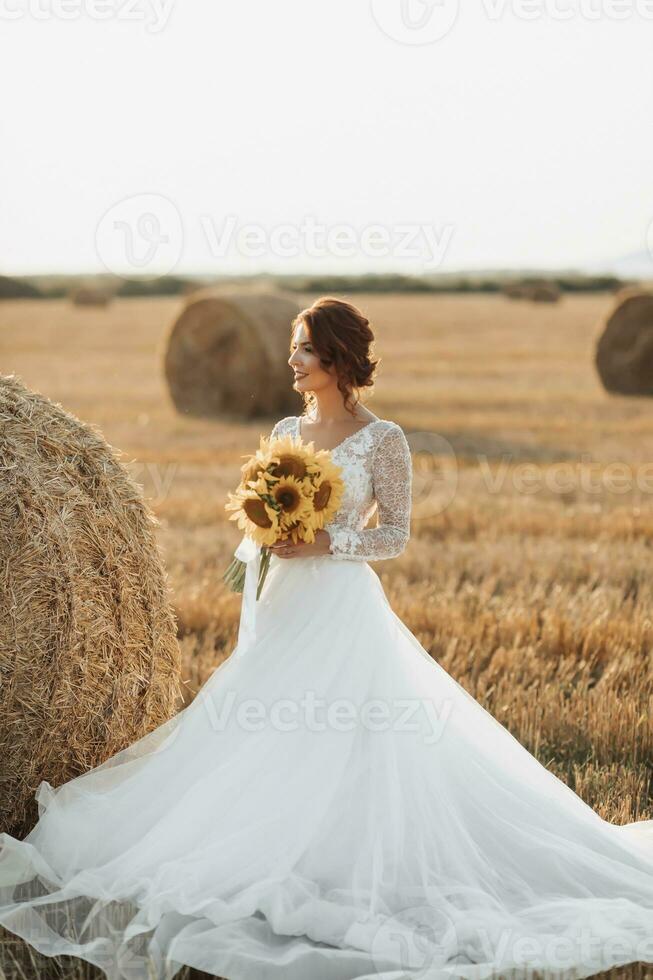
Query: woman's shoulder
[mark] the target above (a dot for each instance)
(389, 425)
(392, 441)
(284, 424)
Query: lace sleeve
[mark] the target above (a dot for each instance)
(278, 427)
(392, 473)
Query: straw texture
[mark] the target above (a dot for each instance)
(227, 355)
(89, 659)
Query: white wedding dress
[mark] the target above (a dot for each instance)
(332, 805)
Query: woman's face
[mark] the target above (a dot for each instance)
(310, 375)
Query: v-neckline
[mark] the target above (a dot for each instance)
(343, 441)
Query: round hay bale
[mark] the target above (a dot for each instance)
(624, 349)
(89, 657)
(543, 292)
(227, 355)
(90, 296)
(513, 290)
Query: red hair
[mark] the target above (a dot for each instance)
(342, 338)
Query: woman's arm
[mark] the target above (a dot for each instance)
(392, 472)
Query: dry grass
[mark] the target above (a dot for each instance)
(539, 603)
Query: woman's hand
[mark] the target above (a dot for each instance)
(286, 549)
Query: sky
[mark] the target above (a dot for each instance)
(151, 136)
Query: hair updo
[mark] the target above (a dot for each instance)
(342, 337)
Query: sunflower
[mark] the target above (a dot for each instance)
(256, 517)
(256, 464)
(294, 500)
(287, 491)
(329, 489)
(288, 458)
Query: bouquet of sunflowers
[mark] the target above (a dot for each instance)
(287, 490)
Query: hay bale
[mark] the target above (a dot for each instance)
(624, 349)
(513, 290)
(90, 296)
(543, 292)
(227, 355)
(535, 290)
(89, 657)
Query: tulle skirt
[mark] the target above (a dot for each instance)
(331, 806)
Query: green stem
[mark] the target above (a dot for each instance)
(263, 570)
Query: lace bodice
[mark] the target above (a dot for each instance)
(377, 472)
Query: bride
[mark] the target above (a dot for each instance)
(332, 805)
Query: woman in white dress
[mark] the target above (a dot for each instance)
(332, 805)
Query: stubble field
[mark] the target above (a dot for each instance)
(528, 571)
